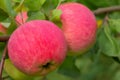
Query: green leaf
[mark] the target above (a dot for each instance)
(56, 15)
(114, 15)
(107, 43)
(87, 3)
(17, 1)
(117, 75)
(14, 72)
(36, 16)
(87, 68)
(6, 5)
(68, 68)
(11, 28)
(115, 25)
(93, 4)
(49, 5)
(34, 5)
(6, 24)
(83, 63)
(56, 76)
(3, 15)
(104, 3)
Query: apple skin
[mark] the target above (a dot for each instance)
(2, 29)
(37, 47)
(21, 18)
(79, 27)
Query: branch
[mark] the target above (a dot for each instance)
(106, 10)
(4, 38)
(2, 61)
(105, 21)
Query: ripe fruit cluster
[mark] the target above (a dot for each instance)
(39, 46)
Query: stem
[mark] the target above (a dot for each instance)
(106, 9)
(60, 1)
(105, 21)
(4, 38)
(2, 61)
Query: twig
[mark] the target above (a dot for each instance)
(106, 9)
(4, 38)
(2, 61)
(105, 21)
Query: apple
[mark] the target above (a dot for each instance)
(21, 18)
(2, 29)
(37, 47)
(79, 27)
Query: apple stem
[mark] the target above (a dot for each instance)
(2, 61)
(60, 1)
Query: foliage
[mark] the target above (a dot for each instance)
(101, 62)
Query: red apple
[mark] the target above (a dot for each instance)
(21, 18)
(2, 29)
(79, 27)
(37, 47)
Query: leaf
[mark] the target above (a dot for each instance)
(36, 16)
(14, 72)
(93, 4)
(3, 15)
(68, 68)
(116, 59)
(6, 24)
(17, 1)
(11, 28)
(108, 43)
(49, 5)
(114, 15)
(83, 63)
(6, 5)
(56, 76)
(56, 15)
(36, 5)
(116, 75)
(115, 25)
(104, 3)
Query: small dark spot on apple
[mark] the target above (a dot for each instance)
(47, 65)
